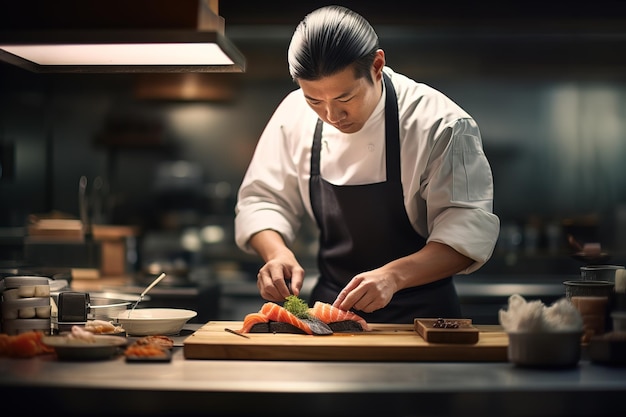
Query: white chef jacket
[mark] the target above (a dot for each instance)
(446, 178)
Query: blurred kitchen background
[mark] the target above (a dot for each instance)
(164, 153)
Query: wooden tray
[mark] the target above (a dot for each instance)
(386, 342)
(465, 333)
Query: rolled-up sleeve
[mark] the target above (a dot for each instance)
(269, 196)
(459, 194)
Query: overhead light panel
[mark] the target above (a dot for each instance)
(123, 54)
(118, 36)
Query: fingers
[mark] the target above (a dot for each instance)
(361, 301)
(276, 283)
(362, 294)
(348, 297)
(296, 282)
(272, 288)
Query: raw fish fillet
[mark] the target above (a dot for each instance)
(252, 319)
(275, 312)
(329, 314)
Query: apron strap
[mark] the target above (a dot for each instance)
(316, 202)
(392, 132)
(316, 149)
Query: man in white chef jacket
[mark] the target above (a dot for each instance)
(391, 170)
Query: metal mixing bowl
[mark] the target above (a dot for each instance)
(103, 308)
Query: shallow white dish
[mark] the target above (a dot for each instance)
(102, 347)
(154, 321)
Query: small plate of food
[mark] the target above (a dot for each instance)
(153, 348)
(80, 344)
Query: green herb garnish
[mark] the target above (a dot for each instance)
(297, 306)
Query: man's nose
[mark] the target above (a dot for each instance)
(334, 113)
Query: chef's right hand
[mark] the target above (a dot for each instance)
(280, 277)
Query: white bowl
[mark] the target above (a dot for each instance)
(154, 321)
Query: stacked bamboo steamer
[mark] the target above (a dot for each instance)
(26, 305)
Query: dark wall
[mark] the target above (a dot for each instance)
(550, 100)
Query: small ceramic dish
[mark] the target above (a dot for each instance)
(560, 349)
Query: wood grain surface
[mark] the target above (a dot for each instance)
(386, 342)
(464, 333)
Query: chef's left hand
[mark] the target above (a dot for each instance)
(367, 291)
(373, 290)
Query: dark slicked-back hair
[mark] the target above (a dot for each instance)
(330, 39)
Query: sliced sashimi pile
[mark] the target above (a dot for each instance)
(322, 319)
(272, 312)
(329, 314)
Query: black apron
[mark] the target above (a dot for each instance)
(363, 227)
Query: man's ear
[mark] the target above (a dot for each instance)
(378, 65)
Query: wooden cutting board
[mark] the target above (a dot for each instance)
(386, 342)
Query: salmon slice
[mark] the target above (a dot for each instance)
(329, 314)
(275, 312)
(252, 319)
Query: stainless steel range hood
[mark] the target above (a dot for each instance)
(140, 36)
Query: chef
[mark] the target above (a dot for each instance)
(391, 170)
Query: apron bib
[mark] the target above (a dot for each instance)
(363, 227)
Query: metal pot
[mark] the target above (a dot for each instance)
(101, 308)
(77, 306)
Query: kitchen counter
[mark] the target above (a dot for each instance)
(309, 388)
(481, 295)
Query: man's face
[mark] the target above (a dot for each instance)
(342, 100)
